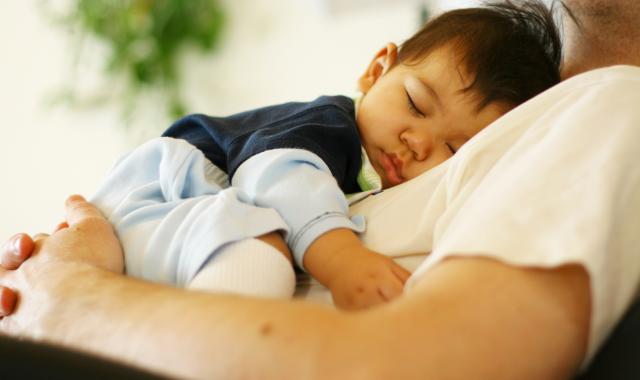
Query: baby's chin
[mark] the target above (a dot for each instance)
(394, 184)
(387, 184)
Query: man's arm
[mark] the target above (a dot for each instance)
(468, 318)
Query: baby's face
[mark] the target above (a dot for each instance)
(416, 116)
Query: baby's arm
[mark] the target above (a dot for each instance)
(299, 185)
(357, 277)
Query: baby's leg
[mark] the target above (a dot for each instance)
(259, 266)
(173, 215)
(276, 240)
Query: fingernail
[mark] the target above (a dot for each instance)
(7, 301)
(16, 245)
(76, 198)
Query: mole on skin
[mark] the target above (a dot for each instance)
(266, 329)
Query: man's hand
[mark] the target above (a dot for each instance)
(357, 277)
(86, 238)
(14, 252)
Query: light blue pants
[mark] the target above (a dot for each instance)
(172, 209)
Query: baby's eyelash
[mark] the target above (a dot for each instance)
(412, 106)
(451, 148)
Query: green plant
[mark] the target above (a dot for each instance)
(146, 37)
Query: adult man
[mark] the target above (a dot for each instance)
(471, 315)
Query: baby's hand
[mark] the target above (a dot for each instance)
(366, 278)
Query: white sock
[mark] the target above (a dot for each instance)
(249, 267)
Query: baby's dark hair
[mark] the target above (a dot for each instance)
(513, 50)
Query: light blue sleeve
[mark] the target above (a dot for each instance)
(172, 209)
(299, 185)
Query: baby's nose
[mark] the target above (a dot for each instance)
(418, 143)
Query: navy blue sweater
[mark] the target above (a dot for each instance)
(325, 126)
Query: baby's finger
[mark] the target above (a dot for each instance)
(16, 250)
(359, 298)
(391, 289)
(402, 274)
(362, 303)
(373, 301)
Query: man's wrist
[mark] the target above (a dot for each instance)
(53, 288)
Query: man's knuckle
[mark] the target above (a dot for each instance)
(83, 207)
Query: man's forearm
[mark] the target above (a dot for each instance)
(467, 318)
(497, 322)
(190, 334)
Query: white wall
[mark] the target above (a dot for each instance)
(274, 50)
(45, 153)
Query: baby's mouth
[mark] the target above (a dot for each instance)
(392, 167)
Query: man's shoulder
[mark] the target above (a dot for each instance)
(597, 91)
(610, 75)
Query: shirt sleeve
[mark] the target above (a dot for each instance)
(555, 182)
(299, 185)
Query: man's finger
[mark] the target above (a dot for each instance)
(78, 210)
(40, 235)
(61, 226)
(7, 301)
(16, 250)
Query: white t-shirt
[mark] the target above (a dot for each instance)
(555, 181)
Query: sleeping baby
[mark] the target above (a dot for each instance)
(235, 203)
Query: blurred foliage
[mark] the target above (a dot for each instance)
(145, 38)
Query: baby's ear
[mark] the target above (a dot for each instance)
(381, 64)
